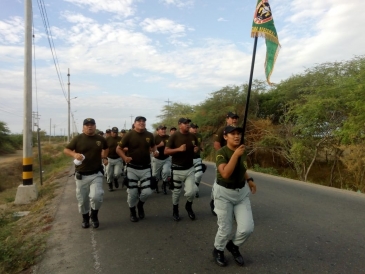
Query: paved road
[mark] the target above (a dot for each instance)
(299, 228)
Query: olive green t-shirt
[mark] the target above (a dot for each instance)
(112, 145)
(161, 150)
(223, 156)
(199, 137)
(184, 158)
(138, 144)
(219, 137)
(91, 147)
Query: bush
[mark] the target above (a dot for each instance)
(267, 170)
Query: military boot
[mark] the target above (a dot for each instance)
(212, 207)
(94, 218)
(156, 190)
(116, 183)
(164, 188)
(110, 185)
(219, 257)
(175, 212)
(235, 252)
(85, 220)
(190, 211)
(140, 209)
(133, 215)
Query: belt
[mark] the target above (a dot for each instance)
(230, 185)
(114, 158)
(176, 167)
(85, 173)
(140, 167)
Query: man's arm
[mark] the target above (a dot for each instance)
(217, 145)
(170, 151)
(73, 154)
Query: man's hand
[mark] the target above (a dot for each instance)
(182, 147)
(196, 149)
(78, 156)
(128, 160)
(252, 186)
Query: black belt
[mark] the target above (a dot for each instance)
(140, 167)
(85, 173)
(114, 158)
(176, 167)
(231, 185)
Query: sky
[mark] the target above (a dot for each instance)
(130, 58)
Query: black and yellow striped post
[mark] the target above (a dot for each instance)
(28, 171)
(27, 191)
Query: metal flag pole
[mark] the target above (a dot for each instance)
(249, 90)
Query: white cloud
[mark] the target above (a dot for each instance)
(221, 19)
(179, 3)
(162, 25)
(123, 8)
(12, 30)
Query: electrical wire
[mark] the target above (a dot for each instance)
(44, 16)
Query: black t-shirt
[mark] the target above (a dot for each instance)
(184, 158)
(138, 144)
(112, 145)
(91, 147)
(161, 150)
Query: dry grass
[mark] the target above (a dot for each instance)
(23, 239)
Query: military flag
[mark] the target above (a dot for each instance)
(263, 26)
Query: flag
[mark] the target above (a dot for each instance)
(263, 26)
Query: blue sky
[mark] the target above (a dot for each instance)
(128, 57)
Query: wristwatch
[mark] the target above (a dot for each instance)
(250, 179)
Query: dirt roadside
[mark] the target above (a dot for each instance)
(10, 157)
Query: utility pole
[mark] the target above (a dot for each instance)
(131, 120)
(27, 191)
(54, 130)
(50, 130)
(69, 107)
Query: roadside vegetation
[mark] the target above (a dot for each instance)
(309, 127)
(23, 239)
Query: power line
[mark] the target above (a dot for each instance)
(44, 16)
(11, 113)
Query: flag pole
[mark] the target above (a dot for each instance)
(249, 90)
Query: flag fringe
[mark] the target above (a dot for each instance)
(276, 55)
(265, 35)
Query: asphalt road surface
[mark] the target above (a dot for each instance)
(299, 228)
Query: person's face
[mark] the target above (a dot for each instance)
(184, 127)
(172, 131)
(194, 130)
(107, 134)
(162, 131)
(232, 121)
(114, 134)
(140, 125)
(233, 138)
(89, 129)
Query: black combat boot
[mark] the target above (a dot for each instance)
(133, 216)
(197, 193)
(94, 218)
(190, 210)
(140, 209)
(175, 212)
(85, 220)
(110, 185)
(156, 190)
(164, 188)
(235, 252)
(219, 257)
(212, 207)
(116, 183)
